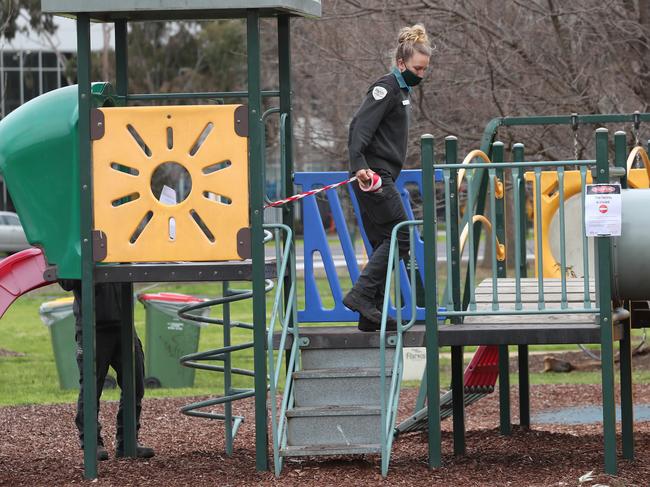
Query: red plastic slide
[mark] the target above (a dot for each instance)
(20, 273)
(482, 372)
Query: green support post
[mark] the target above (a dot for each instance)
(257, 235)
(457, 376)
(121, 59)
(127, 335)
(625, 345)
(620, 154)
(87, 264)
(227, 370)
(504, 366)
(522, 350)
(286, 156)
(430, 300)
(128, 370)
(604, 298)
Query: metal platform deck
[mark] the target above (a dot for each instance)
(504, 329)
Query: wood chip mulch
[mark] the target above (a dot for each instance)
(38, 447)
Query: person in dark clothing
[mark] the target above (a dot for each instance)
(108, 353)
(377, 143)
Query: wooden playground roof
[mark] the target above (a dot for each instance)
(110, 10)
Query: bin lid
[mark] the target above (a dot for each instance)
(169, 298)
(57, 304)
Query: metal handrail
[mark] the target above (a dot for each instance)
(222, 354)
(468, 234)
(389, 404)
(287, 315)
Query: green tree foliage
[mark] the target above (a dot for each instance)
(178, 57)
(10, 10)
(166, 57)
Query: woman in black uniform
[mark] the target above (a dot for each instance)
(377, 143)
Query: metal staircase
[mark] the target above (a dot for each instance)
(337, 403)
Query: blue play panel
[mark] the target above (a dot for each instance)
(317, 244)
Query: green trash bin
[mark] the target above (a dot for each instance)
(58, 317)
(168, 338)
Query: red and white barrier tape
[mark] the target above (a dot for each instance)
(374, 186)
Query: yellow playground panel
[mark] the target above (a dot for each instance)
(144, 221)
(550, 196)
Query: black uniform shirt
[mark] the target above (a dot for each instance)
(108, 305)
(378, 134)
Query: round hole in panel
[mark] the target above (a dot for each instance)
(171, 183)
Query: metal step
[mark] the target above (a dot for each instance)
(333, 425)
(339, 387)
(317, 358)
(325, 450)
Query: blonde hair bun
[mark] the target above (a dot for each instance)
(415, 34)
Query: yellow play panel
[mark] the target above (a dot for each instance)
(209, 144)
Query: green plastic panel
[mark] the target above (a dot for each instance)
(111, 10)
(39, 163)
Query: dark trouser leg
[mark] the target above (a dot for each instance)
(105, 343)
(372, 279)
(380, 212)
(116, 363)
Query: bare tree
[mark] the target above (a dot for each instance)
(532, 57)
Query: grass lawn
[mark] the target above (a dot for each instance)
(32, 376)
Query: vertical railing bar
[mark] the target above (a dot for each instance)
(493, 236)
(585, 242)
(563, 269)
(412, 278)
(469, 209)
(448, 239)
(451, 157)
(540, 250)
(227, 375)
(516, 183)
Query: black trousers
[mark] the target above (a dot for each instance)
(108, 353)
(380, 212)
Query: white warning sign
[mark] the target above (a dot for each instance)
(603, 210)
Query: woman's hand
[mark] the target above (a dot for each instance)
(364, 176)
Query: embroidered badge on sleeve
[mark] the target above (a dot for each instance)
(379, 92)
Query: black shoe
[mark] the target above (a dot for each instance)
(363, 305)
(102, 454)
(140, 452)
(367, 325)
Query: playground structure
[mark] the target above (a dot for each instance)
(109, 151)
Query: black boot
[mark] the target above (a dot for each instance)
(366, 325)
(102, 454)
(140, 451)
(364, 305)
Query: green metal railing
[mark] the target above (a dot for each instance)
(285, 314)
(198, 360)
(389, 400)
(285, 258)
(454, 307)
(457, 310)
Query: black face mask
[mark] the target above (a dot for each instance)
(410, 78)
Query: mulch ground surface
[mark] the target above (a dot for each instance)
(38, 447)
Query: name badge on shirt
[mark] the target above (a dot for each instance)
(406, 102)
